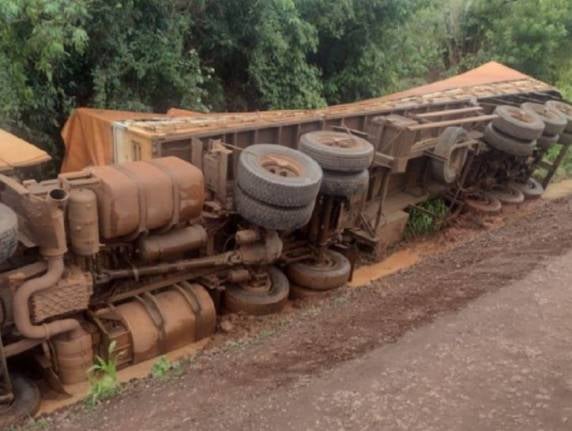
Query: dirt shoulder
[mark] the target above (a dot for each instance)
(221, 385)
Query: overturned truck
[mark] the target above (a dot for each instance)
(158, 223)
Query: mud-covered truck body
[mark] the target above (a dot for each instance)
(159, 223)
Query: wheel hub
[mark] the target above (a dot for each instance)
(259, 284)
(521, 115)
(341, 143)
(323, 262)
(281, 166)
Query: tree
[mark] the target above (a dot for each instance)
(360, 52)
(36, 38)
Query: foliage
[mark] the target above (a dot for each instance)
(360, 46)
(426, 218)
(141, 60)
(565, 168)
(526, 34)
(35, 39)
(162, 367)
(103, 378)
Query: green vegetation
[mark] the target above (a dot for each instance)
(103, 378)
(426, 218)
(163, 368)
(565, 169)
(218, 55)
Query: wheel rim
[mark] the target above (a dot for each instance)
(457, 160)
(531, 185)
(338, 140)
(342, 143)
(521, 115)
(258, 285)
(483, 203)
(281, 166)
(563, 108)
(323, 263)
(506, 194)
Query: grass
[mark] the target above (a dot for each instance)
(565, 168)
(163, 368)
(427, 219)
(103, 378)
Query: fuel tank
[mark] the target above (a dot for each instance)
(145, 196)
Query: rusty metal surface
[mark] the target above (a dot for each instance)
(172, 244)
(164, 321)
(70, 294)
(83, 222)
(141, 196)
(74, 357)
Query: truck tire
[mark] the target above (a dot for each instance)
(545, 142)
(332, 272)
(8, 232)
(238, 299)
(26, 402)
(271, 217)
(531, 189)
(518, 123)
(554, 121)
(299, 292)
(336, 151)
(483, 203)
(565, 109)
(507, 144)
(506, 194)
(447, 171)
(344, 184)
(278, 175)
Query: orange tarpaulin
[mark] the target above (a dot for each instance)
(17, 153)
(88, 136)
(488, 73)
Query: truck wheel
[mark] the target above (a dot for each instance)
(554, 121)
(331, 271)
(253, 299)
(483, 203)
(336, 151)
(344, 184)
(518, 123)
(507, 144)
(278, 175)
(8, 232)
(506, 194)
(565, 109)
(25, 404)
(298, 292)
(545, 141)
(271, 217)
(448, 170)
(531, 189)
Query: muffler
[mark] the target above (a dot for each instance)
(53, 250)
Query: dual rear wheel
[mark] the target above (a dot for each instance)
(268, 290)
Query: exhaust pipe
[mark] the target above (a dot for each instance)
(54, 254)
